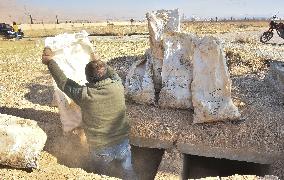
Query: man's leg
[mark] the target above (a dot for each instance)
(101, 162)
(115, 161)
(123, 156)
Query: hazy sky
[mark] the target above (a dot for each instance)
(136, 9)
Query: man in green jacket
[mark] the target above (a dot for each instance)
(103, 109)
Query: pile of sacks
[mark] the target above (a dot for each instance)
(182, 71)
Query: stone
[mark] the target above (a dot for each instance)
(211, 85)
(21, 142)
(72, 53)
(139, 84)
(177, 71)
(160, 22)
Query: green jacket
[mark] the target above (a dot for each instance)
(102, 105)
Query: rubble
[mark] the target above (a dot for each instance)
(21, 142)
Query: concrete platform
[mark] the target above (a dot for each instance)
(257, 137)
(154, 127)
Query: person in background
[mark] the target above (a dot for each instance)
(102, 103)
(16, 29)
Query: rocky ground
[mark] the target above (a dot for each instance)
(26, 91)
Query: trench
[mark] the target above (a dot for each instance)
(145, 161)
(195, 167)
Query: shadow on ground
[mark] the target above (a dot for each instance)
(40, 94)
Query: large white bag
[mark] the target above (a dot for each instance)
(211, 85)
(72, 53)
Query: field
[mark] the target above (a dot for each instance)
(26, 86)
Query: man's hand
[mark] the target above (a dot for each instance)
(47, 55)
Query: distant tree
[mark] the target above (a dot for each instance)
(57, 21)
(216, 19)
(131, 21)
(31, 18)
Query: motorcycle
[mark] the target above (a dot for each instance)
(279, 27)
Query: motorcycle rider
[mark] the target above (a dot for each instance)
(16, 29)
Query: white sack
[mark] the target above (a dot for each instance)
(21, 142)
(211, 86)
(139, 81)
(72, 53)
(160, 22)
(177, 71)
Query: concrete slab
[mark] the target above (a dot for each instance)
(171, 167)
(257, 137)
(240, 154)
(154, 127)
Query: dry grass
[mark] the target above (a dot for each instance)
(199, 28)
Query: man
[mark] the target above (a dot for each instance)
(16, 29)
(103, 112)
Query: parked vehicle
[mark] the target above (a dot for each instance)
(279, 27)
(7, 32)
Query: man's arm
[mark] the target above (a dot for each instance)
(68, 86)
(72, 89)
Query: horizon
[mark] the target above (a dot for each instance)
(96, 10)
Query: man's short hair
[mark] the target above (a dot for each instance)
(96, 71)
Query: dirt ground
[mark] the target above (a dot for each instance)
(26, 91)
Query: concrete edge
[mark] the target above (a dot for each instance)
(151, 143)
(228, 153)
